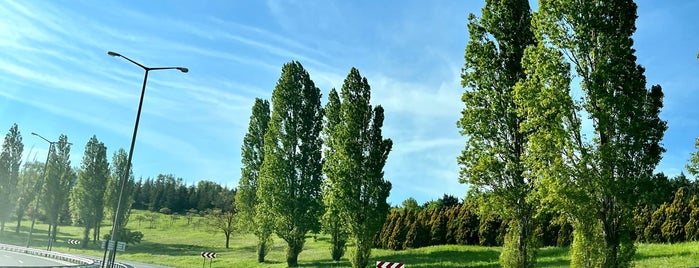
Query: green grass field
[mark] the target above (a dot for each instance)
(178, 244)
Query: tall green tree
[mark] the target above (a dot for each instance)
(87, 198)
(10, 161)
(116, 177)
(333, 223)
(355, 156)
(28, 189)
(594, 177)
(60, 179)
(291, 173)
(492, 158)
(253, 154)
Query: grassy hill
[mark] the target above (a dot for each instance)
(176, 243)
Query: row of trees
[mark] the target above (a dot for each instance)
(658, 218)
(83, 196)
(527, 150)
(171, 193)
(302, 162)
(66, 194)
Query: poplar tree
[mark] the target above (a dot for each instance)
(355, 156)
(88, 196)
(333, 224)
(28, 189)
(291, 173)
(10, 161)
(492, 160)
(116, 177)
(60, 180)
(253, 154)
(595, 179)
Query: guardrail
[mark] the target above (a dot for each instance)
(80, 262)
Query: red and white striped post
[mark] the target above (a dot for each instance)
(385, 264)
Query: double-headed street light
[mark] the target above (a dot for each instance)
(39, 186)
(115, 225)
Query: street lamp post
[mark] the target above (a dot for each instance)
(39, 186)
(115, 225)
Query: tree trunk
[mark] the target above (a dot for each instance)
(261, 251)
(228, 238)
(20, 215)
(86, 237)
(295, 247)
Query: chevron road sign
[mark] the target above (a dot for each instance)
(210, 255)
(385, 264)
(73, 242)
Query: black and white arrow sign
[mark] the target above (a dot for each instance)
(73, 242)
(210, 255)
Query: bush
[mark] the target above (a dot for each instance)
(653, 232)
(166, 211)
(675, 219)
(691, 229)
(126, 235)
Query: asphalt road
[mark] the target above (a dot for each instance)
(8, 258)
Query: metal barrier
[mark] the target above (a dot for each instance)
(80, 262)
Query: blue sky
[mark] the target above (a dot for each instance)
(56, 77)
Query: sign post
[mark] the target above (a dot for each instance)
(208, 255)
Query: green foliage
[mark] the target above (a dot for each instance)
(10, 161)
(398, 233)
(252, 156)
(653, 232)
(60, 179)
(691, 229)
(87, 198)
(28, 188)
(223, 221)
(596, 180)
(355, 155)
(587, 247)
(641, 219)
(438, 232)
(693, 163)
(410, 204)
(290, 177)
(492, 160)
(675, 219)
(510, 255)
(333, 222)
(114, 186)
(127, 236)
(488, 230)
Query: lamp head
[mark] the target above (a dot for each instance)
(183, 69)
(113, 54)
(34, 133)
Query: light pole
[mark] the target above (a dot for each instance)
(115, 225)
(39, 186)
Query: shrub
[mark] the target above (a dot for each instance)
(675, 219)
